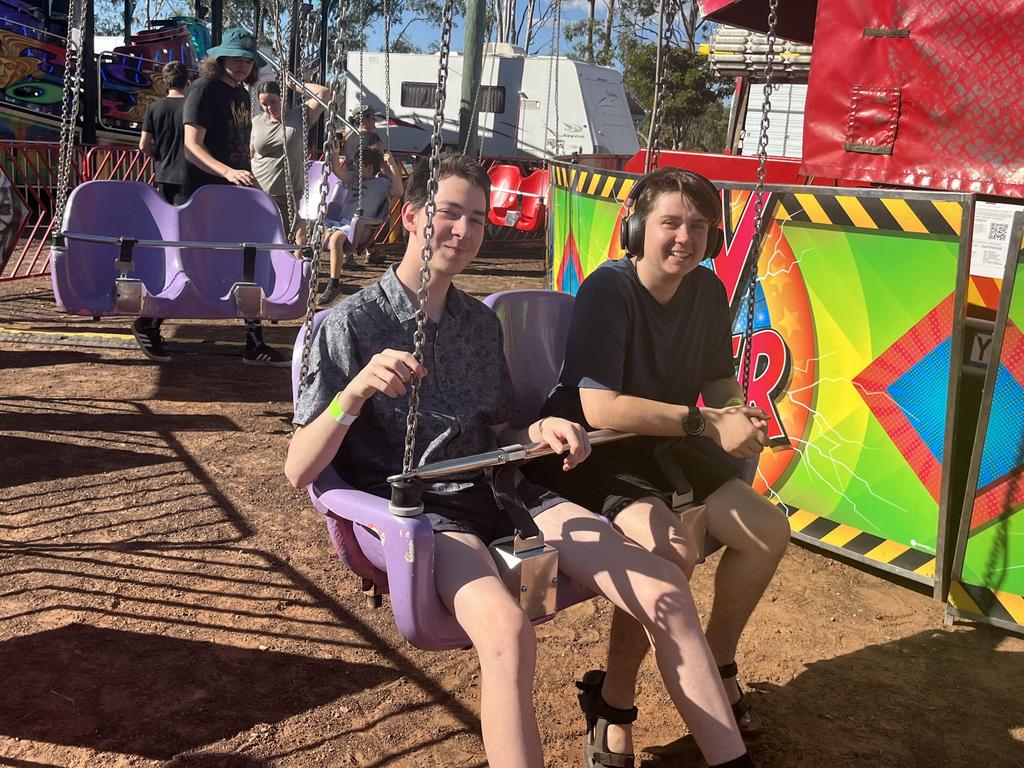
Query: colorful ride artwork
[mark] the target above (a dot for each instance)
(858, 340)
(32, 71)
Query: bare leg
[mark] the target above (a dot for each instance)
(655, 592)
(755, 533)
(470, 587)
(336, 247)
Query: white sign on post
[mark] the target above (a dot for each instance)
(990, 241)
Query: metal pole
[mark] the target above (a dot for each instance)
(294, 53)
(216, 20)
(472, 71)
(129, 7)
(90, 83)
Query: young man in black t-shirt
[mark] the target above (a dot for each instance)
(217, 117)
(649, 334)
(163, 134)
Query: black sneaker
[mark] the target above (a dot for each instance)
(263, 354)
(151, 342)
(331, 292)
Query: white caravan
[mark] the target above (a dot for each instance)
(593, 113)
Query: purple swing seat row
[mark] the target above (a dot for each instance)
(179, 282)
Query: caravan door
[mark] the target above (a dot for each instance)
(611, 125)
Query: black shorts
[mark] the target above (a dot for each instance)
(480, 510)
(618, 474)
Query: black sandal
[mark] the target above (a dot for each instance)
(599, 716)
(743, 706)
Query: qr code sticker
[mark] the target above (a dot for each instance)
(998, 230)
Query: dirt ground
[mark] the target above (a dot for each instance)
(169, 600)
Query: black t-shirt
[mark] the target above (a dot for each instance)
(163, 123)
(224, 111)
(622, 339)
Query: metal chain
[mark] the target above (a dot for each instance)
(480, 143)
(387, 74)
(359, 129)
(309, 35)
(436, 142)
(69, 113)
(558, 52)
(653, 154)
(759, 197)
(474, 116)
(315, 240)
(276, 10)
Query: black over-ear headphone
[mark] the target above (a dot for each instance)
(631, 232)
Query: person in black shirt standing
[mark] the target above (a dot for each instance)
(217, 121)
(163, 134)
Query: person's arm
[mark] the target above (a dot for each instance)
(395, 172)
(313, 107)
(146, 144)
(722, 393)
(314, 445)
(197, 154)
(560, 434)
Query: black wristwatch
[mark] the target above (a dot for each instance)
(693, 424)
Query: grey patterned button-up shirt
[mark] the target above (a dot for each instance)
(467, 388)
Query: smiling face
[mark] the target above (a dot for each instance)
(675, 238)
(458, 225)
(271, 104)
(237, 67)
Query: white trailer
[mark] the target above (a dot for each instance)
(516, 102)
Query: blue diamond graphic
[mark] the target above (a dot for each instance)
(921, 394)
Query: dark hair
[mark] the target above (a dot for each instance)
(449, 164)
(175, 75)
(270, 86)
(214, 69)
(697, 189)
(373, 157)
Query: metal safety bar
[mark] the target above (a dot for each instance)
(504, 455)
(108, 240)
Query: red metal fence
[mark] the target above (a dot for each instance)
(30, 169)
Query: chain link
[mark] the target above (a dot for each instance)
(436, 142)
(653, 155)
(759, 197)
(284, 82)
(358, 170)
(69, 113)
(558, 52)
(387, 75)
(315, 240)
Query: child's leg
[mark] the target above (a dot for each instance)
(336, 246)
(656, 593)
(503, 637)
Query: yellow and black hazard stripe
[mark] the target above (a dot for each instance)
(860, 545)
(592, 182)
(935, 217)
(980, 603)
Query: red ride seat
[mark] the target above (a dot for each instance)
(533, 197)
(505, 181)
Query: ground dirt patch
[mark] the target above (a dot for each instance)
(169, 600)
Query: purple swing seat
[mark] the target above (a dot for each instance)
(396, 553)
(179, 283)
(309, 204)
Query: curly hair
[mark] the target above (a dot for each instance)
(214, 69)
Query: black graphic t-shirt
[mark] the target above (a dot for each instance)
(224, 111)
(163, 123)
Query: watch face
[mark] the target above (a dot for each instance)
(694, 423)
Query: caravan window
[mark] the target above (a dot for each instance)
(424, 96)
(419, 95)
(492, 98)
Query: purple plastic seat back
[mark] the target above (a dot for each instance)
(310, 202)
(224, 213)
(536, 324)
(131, 209)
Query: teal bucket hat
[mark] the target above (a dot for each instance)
(238, 43)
